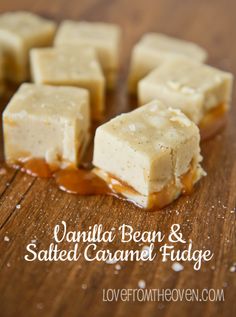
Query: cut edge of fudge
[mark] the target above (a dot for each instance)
(59, 137)
(136, 183)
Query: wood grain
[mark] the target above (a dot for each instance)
(57, 288)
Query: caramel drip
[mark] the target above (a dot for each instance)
(163, 198)
(82, 182)
(187, 181)
(85, 182)
(35, 167)
(213, 121)
(157, 199)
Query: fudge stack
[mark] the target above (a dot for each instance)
(150, 155)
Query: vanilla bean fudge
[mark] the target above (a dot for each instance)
(71, 67)
(202, 92)
(19, 32)
(153, 49)
(150, 155)
(46, 122)
(104, 37)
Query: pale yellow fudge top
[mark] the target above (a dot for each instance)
(49, 102)
(170, 45)
(105, 37)
(25, 25)
(152, 128)
(63, 64)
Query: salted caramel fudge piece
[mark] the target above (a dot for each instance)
(150, 155)
(46, 122)
(105, 38)
(71, 67)
(19, 32)
(153, 49)
(202, 92)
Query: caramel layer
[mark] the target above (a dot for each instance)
(158, 199)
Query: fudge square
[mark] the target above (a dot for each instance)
(71, 67)
(153, 49)
(46, 122)
(104, 37)
(150, 155)
(19, 32)
(202, 92)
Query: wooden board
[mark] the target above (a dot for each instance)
(207, 216)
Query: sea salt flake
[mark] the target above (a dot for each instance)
(6, 238)
(174, 84)
(118, 267)
(232, 269)
(141, 284)
(187, 90)
(177, 267)
(132, 127)
(153, 108)
(181, 120)
(18, 206)
(84, 286)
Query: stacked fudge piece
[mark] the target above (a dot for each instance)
(77, 67)
(69, 85)
(172, 71)
(153, 50)
(150, 155)
(103, 37)
(202, 92)
(85, 54)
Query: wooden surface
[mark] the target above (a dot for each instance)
(58, 288)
